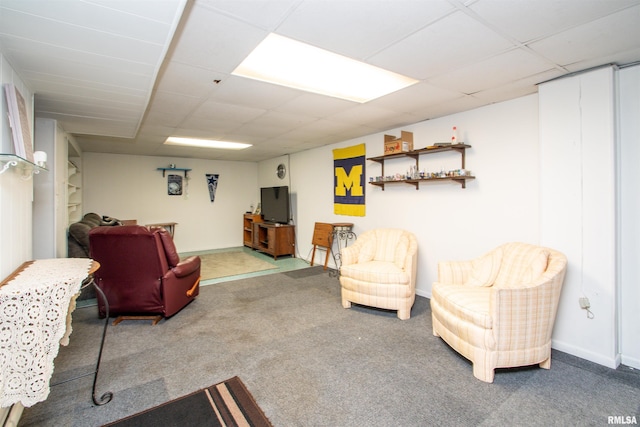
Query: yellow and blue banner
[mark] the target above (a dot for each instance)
(349, 180)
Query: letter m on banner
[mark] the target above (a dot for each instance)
(349, 180)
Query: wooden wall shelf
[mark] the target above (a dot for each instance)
(415, 154)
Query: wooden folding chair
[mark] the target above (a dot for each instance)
(322, 237)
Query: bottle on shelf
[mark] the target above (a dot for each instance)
(454, 135)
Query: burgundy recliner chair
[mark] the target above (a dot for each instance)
(141, 273)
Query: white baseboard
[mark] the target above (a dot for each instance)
(633, 362)
(600, 359)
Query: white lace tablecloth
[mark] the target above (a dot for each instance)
(34, 307)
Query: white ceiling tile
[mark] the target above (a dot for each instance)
(215, 42)
(100, 18)
(252, 93)
(357, 28)
(200, 82)
(495, 71)
(619, 58)
(314, 105)
(618, 32)
(529, 20)
(79, 107)
(441, 47)
(518, 88)
(164, 11)
(414, 97)
(263, 14)
(30, 54)
(361, 114)
(51, 33)
(227, 112)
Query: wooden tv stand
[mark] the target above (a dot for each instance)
(274, 239)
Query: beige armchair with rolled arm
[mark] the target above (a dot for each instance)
(379, 270)
(498, 310)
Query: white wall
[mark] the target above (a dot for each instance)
(130, 187)
(50, 212)
(449, 222)
(629, 226)
(577, 141)
(16, 194)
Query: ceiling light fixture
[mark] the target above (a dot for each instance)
(290, 63)
(206, 143)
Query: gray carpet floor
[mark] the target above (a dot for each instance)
(310, 362)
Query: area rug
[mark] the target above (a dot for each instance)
(224, 264)
(228, 403)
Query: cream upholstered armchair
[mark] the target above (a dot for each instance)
(379, 270)
(498, 310)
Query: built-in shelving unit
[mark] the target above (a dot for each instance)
(74, 190)
(415, 154)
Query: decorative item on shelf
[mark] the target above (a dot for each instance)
(393, 144)
(414, 176)
(172, 167)
(454, 135)
(40, 159)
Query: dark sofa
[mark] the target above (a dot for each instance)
(78, 236)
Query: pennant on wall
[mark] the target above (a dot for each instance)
(212, 184)
(349, 180)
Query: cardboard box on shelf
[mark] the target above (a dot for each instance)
(393, 144)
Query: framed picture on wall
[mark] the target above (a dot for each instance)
(174, 185)
(19, 122)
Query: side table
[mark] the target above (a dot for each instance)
(169, 226)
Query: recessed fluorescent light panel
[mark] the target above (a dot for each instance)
(290, 63)
(206, 143)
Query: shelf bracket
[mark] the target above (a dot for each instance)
(164, 170)
(8, 165)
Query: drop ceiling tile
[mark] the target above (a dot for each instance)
(282, 120)
(417, 96)
(214, 41)
(93, 126)
(52, 33)
(463, 103)
(362, 114)
(55, 89)
(180, 105)
(200, 81)
(79, 107)
(359, 29)
(84, 75)
(263, 14)
(518, 88)
(26, 53)
(618, 32)
(493, 72)
(100, 18)
(252, 93)
(441, 47)
(165, 11)
(314, 105)
(206, 127)
(619, 58)
(529, 20)
(227, 112)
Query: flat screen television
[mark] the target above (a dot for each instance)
(274, 202)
